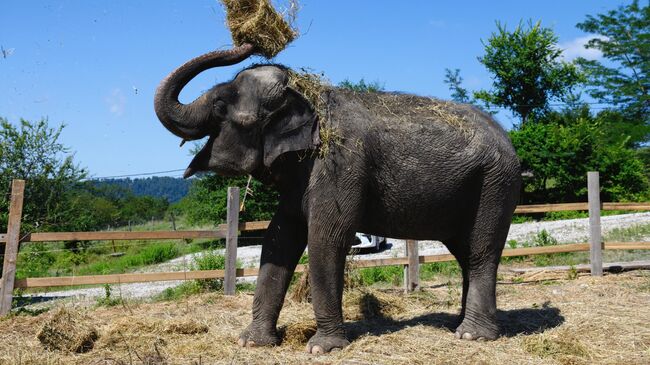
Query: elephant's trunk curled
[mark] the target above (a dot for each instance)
(191, 121)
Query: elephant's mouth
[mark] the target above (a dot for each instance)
(204, 161)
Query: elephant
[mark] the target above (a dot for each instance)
(395, 165)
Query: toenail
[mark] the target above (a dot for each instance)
(317, 350)
(467, 336)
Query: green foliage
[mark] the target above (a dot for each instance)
(432, 270)
(362, 86)
(32, 151)
(108, 300)
(527, 70)
(35, 260)
(383, 274)
(208, 197)
(171, 189)
(559, 152)
(624, 39)
(454, 81)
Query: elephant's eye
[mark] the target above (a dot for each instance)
(219, 107)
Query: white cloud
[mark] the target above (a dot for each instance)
(576, 48)
(116, 102)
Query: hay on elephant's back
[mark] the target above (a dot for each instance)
(257, 23)
(404, 107)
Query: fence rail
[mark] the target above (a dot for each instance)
(229, 231)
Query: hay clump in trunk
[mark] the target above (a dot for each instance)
(68, 330)
(257, 23)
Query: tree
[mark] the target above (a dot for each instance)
(559, 152)
(527, 69)
(454, 81)
(362, 86)
(207, 200)
(32, 151)
(623, 36)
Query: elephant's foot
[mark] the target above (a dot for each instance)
(320, 344)
(255, 335)
(475, 330)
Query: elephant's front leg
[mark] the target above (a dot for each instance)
(284, 243)
(328, 247)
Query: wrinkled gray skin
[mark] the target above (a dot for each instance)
(398, 173)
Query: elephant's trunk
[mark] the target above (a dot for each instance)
(191, 121)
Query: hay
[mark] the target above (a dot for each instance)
(187, 327)
(257, 23)
(404, 107)
(607, 317)
(364, 304)
(68, 330)
(300, 291)
(296, 334)
(313, 87)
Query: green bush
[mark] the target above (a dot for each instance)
(384, 274)
(447, 268)
(34, 260)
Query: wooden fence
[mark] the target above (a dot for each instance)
(229, 232)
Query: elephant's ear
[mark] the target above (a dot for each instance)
(293, 127)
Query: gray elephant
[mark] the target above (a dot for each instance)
(392, 165)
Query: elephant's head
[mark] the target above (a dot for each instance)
(250, 120)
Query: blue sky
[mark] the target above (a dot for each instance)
(94, 65)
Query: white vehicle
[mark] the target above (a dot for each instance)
(367, 241)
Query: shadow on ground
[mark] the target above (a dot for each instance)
(512, 322)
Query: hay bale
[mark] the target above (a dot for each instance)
(68, 330)
(188, 327)
(257, 23)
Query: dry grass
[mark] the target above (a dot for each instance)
(583, 321)
(68, 330)
(257, 23)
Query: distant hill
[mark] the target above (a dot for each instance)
(171, 188)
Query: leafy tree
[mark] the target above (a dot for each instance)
(32, 151)
(362, 86)
(527, 69)
(558, 153)
(623, 36)
(207, 200)
(454, 81)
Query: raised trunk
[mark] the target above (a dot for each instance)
(191, 121)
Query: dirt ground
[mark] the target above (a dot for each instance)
(551, 320)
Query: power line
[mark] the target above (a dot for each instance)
(131, 175)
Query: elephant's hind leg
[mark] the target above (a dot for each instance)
(484, 244)
(284, 243)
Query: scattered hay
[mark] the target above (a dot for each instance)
(297, 334)
(300, 291)
(366, 305)
(257, 23)
(565, 347)
(186, 327)
(68, 330)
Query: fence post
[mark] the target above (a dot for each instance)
(412, 270)
(11, 246)
(595, 239)
(230, 276)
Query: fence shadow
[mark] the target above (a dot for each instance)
(512, 322)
